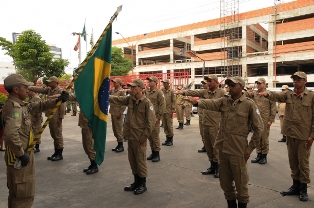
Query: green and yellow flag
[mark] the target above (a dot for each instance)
(92, 92)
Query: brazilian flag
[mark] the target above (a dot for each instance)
(92, 92)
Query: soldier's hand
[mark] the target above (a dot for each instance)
(24, 159)
(119, 116)
(143, 143)
(309, 143)
(268, 124)
(192, 101)
(59, 122)
(179, 92)
(246, 156)
(157, 122)
(63, 97)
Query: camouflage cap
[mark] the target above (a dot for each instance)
(16, 79)
(166, 81)
(235, 80)
(260, 80)
(117, 80)
(212, 77)
(53, 79)
(152, 78)
(137, 82)
(299, 74)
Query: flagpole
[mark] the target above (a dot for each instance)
(78, 71)
(85, 37)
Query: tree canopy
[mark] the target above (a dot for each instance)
(119, 64)
(32, 57)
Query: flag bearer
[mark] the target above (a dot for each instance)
(18, 136)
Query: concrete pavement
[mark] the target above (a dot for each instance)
(175, 181)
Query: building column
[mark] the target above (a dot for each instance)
(244, 73)
(171, 51)
(270, 72)
(193, 77)
(244, 40)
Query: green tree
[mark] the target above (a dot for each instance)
(3, 97)
(32, 57)
(119, 64)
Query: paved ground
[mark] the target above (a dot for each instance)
(175, 181)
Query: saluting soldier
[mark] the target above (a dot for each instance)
(116, 112)
(167, 119)
(140, 122)
(298, 127)
(210, 121)
(267, 109)
(37, 118)
(200, 118)
(237, 113)
(18, 136)
(55, 124)
(187, 112)
(157, 98)
(179, 109)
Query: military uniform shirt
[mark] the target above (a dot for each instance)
(299, 113)
(116, 109)
(170, 99)
(236, 119)
(140, 118)
(17, 118)
(157, 98)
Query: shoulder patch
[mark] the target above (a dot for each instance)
(15, 115)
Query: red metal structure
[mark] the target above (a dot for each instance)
(176, 78)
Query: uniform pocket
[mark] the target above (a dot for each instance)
(24, 186)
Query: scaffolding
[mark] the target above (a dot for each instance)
(230, 33)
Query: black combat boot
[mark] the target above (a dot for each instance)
(210, 170)
(257, 159)
(141, 186)
(89, 167)
(187, 123)
(166, 142)
(134, 185)
(74, 114)
(58, 156)
(152, 156)
(293, 190)
(179, 126)
(242, 205)
(202, 150)
(93, 169)
(283, 139)
(120, 147)
(36, 148)
(303, 192)
(157, 157)
(170, 142)
(114, 149)
(216, 174)
(232, 203)
(263, 159)
(53, 155)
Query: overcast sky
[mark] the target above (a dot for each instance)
(55, 20)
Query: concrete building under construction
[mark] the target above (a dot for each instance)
(234, 44)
